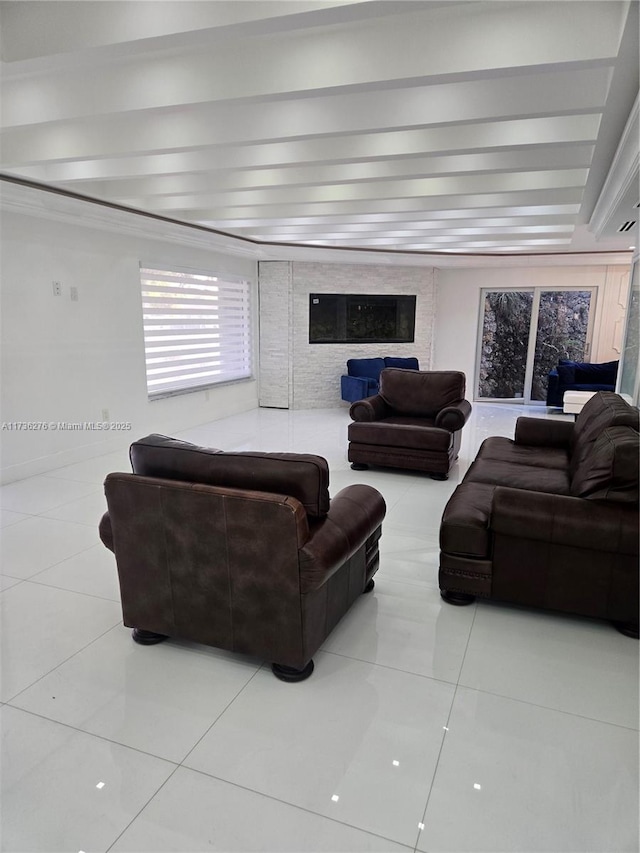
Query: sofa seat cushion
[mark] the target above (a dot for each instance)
(465, 521)
(506, 450)
(415, 433)
(609, 470)
(518, 476)
(302, 476)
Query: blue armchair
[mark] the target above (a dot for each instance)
(363, 379)
(580, 376)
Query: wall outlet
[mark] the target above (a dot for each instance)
(105, 414)
(73, 293)
(57, 288)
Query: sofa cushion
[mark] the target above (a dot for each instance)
(369, 367)
(302, 476)
(401, 432)
(609, 469)
(579, 372)
(566, 372)
(421, 393)
(605, 409)
(519, 476)
(506, 450)
(465, 522)
(403, 363)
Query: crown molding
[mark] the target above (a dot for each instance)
(47, 203)
(33, 201)
(623, 175)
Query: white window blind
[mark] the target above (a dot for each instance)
(197, 330)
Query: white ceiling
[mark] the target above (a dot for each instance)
(471, 127)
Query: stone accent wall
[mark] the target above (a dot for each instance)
(314, 370)
(276, 363)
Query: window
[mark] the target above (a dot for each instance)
(197, 330)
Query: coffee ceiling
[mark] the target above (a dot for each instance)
(419, 126)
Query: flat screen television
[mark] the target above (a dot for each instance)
(349, 318)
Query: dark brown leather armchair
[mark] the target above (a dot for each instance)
(415, 422)
(241, 551)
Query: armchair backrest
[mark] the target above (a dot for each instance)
(215, 565)
(302, 476)
(421, 393)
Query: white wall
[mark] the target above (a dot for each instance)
(309, 374)
(458, 307)
(67, 361)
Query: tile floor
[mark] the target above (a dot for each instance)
(424, 727)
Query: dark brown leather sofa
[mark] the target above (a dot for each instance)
(550, 519)
(241, 551)
(414, 422)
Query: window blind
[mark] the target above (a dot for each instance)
(197, 330)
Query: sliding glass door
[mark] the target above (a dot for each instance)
(522, 335)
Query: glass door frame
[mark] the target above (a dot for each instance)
(537, 291)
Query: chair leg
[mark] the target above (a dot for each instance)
(290, 673)
(369, 586)
(359, 466)
(439, 476)
(147, 638)
(458, 598)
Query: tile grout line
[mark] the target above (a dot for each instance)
(181, 763)
(446, 729)
(57, 666)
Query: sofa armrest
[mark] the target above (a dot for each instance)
(554, 391)
(353, 388)
(538, 432)
(454, 417)
(370, 409)
(355, 513)
(564, 520)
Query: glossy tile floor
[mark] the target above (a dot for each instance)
(425, 727)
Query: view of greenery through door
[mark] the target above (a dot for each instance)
(523, 335)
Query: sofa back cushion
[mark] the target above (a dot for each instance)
(609, 469)
(303, 476)
(605, 409)
(368, 367)
(421, 393)
(403, 363)
(585, 373)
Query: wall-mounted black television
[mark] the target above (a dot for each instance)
(351, 318)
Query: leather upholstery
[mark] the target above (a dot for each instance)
(552, 523)
(303, 476)
(414, 422)
(241, 564)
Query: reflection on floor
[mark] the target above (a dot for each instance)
(424, 727)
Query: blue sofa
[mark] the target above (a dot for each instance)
(363, 379)
(580, 376)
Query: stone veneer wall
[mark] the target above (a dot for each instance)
(300, 375)
(276, 363)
